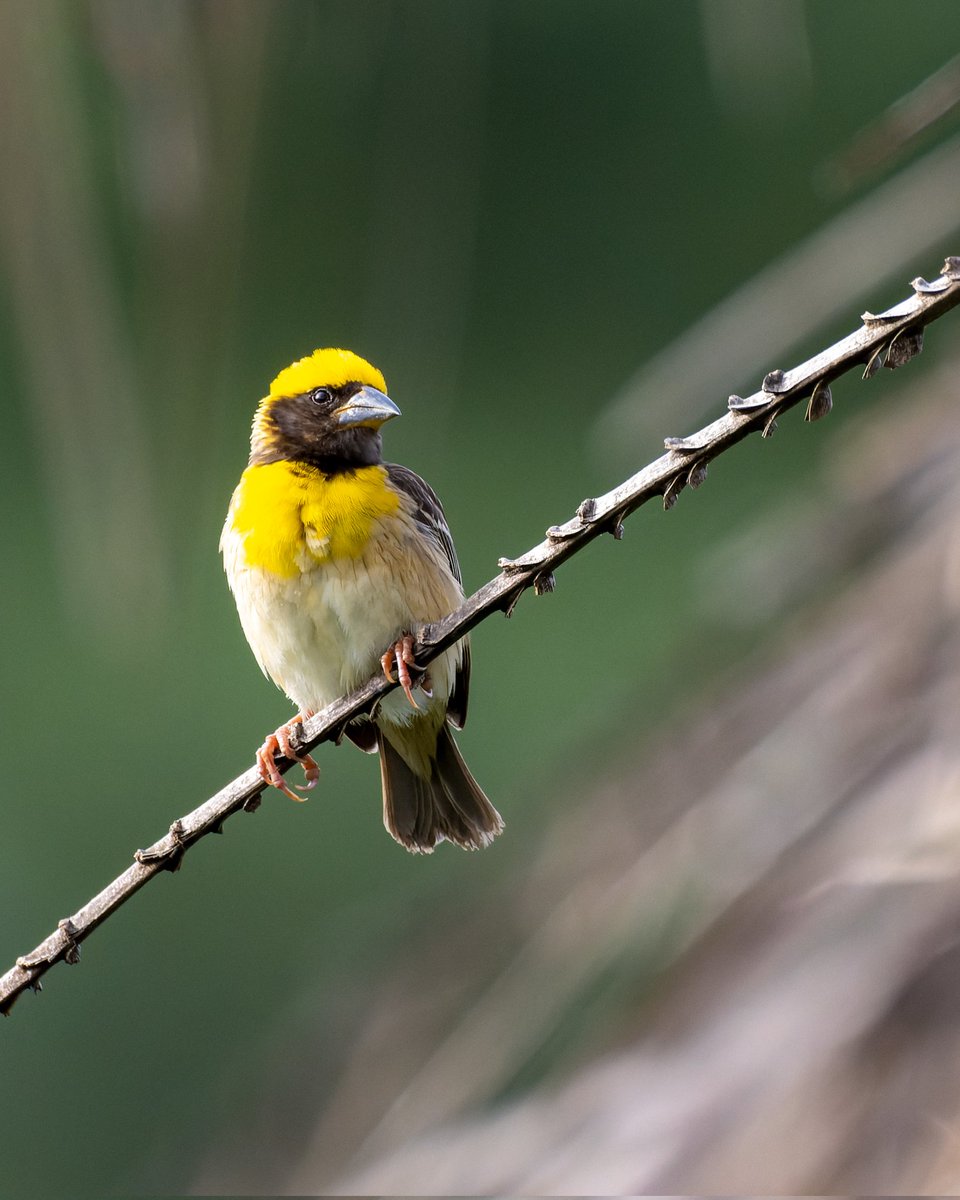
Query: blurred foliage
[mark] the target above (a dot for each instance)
(508, 205)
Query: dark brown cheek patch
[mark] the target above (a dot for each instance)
(294, 422)
(300, 430)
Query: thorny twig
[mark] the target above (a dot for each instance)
(889, 339)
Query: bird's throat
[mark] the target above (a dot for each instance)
(292, 515)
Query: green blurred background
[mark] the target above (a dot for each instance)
(511, 207)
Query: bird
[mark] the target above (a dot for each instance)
(336, 559)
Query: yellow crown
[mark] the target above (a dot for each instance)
(325, 368)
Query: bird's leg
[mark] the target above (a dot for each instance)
(279, 743)
(401, 653)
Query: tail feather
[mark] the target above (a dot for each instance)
(448, 806)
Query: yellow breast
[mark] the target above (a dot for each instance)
(290, 516)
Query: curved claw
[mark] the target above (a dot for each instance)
(267, 766)
(312, 772)
(279, 743)
(401, 653)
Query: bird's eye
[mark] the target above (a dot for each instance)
(321, 395)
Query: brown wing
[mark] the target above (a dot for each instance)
(428, 513)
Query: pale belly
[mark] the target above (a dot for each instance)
(322, 632)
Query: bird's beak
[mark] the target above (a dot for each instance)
(366, 407)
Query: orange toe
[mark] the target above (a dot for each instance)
(279, 743)
(401, 653)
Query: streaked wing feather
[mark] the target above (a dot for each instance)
(428, 513)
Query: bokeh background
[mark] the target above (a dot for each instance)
(715, 949)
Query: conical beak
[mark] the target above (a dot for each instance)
(366, 407)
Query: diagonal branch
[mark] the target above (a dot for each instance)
(889, 339)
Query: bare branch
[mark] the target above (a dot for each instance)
(889, 339)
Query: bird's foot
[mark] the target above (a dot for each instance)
(279, 743)
(401, 655)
